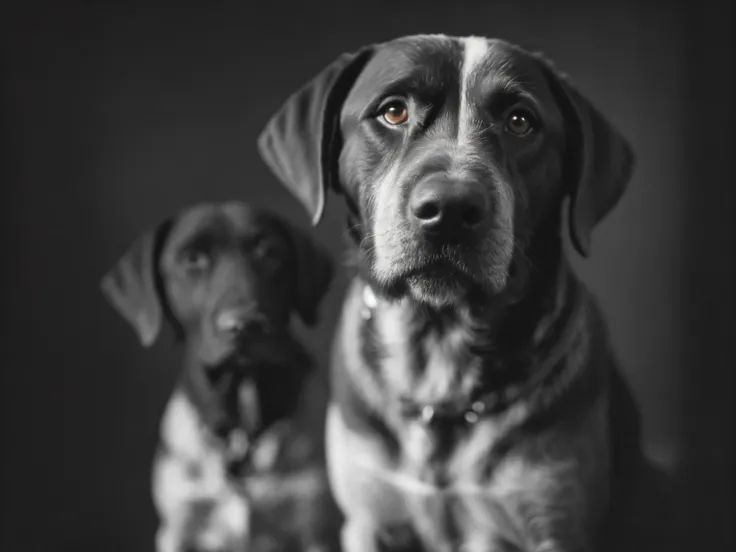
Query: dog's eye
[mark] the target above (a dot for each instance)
(267, 250)
(520, 122)
(196, 259)
(394, 112)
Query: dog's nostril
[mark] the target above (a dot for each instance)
(239, 321)
(427, 211)
(230, 321)
(255, 326)
(439, 205)
(472, 215)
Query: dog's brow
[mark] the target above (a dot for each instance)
(512, 85)
(196, 233)
(501, 98)
(419, 83)
(202, 239)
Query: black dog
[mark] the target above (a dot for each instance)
(476, 403)
(237, 468)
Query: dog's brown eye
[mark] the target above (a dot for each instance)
(269, 252)
(520, 123)
(395, 112)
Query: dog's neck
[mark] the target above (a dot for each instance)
(214, 390)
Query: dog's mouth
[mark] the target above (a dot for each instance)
(272, 347)
(445, 274)
(438, 280)
(266, 344)
(442, 270)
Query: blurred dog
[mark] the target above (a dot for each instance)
(476, 403)
(237, 468)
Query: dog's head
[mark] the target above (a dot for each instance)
(226, 276)
(452, 153)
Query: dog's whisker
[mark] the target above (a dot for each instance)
(525, 257)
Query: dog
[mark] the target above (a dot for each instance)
(237, 468)
(476, 403)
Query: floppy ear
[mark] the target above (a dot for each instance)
(301, 142)
(601, 161)
(314, 272)
(131, 286)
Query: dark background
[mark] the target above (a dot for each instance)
(114, 118)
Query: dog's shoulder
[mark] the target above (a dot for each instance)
(354, 386)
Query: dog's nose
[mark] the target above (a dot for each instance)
(445, 206)
(237, 320)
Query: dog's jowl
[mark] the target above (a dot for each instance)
(237, 467)
(475, 403)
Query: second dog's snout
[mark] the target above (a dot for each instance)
(442, 205)
(237, 320)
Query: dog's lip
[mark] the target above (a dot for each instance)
(271, 348)
(440, 267)
(257, 355)
(247, 364)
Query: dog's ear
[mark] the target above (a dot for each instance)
(301, 143)
(600, 161)
(131, 285)
(314, 272)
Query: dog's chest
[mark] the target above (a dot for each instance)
(455, 482)
(191, 463)
(431, 366)
(429, 380)
(458, 499)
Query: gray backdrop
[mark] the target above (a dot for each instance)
(118, 117)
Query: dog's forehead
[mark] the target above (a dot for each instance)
(444, 65)
(235, 219)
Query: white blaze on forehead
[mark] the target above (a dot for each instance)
(390, 222)
(475, 51)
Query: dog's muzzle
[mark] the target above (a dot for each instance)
(240, 320)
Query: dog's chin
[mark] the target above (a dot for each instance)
(439, 288)
(443, 284)
(244, 352)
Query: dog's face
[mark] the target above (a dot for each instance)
(228, 276)
(452, 152)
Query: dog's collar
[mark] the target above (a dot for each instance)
(462, 414)
(494, 402)
(436, 413)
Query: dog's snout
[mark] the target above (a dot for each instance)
(441, 205)
(240, 320)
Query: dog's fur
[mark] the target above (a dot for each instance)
(476, 404)
(238, 468)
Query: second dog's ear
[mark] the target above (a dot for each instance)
(601, 161)
(301, 142)
(130, 286)
(314, 272)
